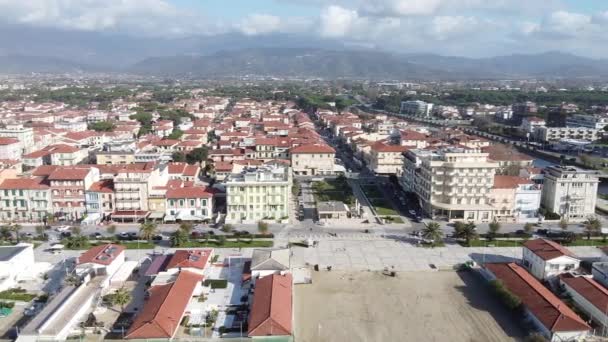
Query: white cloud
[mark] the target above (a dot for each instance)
(260, 24)
(152, 17)
(337, 21)
(401, 7)
(443, 27)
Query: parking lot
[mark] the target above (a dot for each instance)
(414, 306)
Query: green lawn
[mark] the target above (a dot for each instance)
(383, 208)
(17, 295)
(393, 219)
(216, 283)
(230, 244)
(371, 191)
(495, 243)
(333, 190)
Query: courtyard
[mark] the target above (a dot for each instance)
(414, 306)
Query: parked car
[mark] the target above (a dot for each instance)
(157, 237)
(412, 212)
(62, 229)
(97, 236)
(66, 234)
(541, 231)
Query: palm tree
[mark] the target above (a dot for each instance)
(466, 232)
(178, 238)
(263, 227)
(76, 230)
(528, 228)
(592, 225)
(121, 297)
(111, 229)
(432, 231)
(77, 242)
(5, 233)
(563, 224)
(221, 240)
(493, 229)
(147, 231)
(16, 228)
(227, 228)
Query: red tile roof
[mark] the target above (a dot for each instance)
(106, 185)
(188, 192)
(313, 148)
(103, 255)
(382, 147)
(509, 182)
(162, 312)
(547, 249)
(23, 184)
(8, 141)
(554, 314)
(190, 258)
(589, 289)
(271, 311)
(69, 173)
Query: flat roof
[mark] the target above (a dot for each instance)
(7, 253)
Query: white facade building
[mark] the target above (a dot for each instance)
(549, 134)
(546, 259)
(589, 121)
(570, 192)
(420, 108)
(258, 194)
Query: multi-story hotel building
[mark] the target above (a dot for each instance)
(570, 192)
(258, 193)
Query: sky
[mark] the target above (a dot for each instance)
(473, 28)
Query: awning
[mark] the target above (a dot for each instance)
(169, 218)
(156, 215)
(187, 217)
(130, 214)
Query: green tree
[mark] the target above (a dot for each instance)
(493, 229)
(5, 233)
(227, 228)
(221, 240)
(178, 157)
(77, 242)
(121, 297)
(197, 155)
(179, 238)
(111, 229)
(176, 134)
(186, 227)
(432, 231)
(263, 227)
(466, 231)
(528, 228)
(76, 230)
(563, 224)
(102, 126)
(147, 231)
(16, 229)
(592, 226)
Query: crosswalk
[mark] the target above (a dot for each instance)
(336, 237)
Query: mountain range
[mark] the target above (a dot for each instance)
(280, 55)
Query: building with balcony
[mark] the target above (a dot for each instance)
(313, 160)
(385, 159)
(589, 121)
(259, 193)
(552, 134)
(189, 203)
(25, 135)
(452, 183)
(24, 200)
(570, 192)
(420, 108)
(68, 187)
(132, 188)
(515, 199)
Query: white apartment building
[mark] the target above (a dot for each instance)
(24, 199)
(589, 121)
(548, 134)
(546, 259)
(189, 204)
(531, 123)
(570, 192)
(515, 199)
(257, 194)
(25, 135)
(454, 183)
(10, 148)
(416, 108)
(312, 160)
(132, 188)
(385, 159)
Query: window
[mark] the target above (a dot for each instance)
(553, 267)
(569, 267)
(192, 203)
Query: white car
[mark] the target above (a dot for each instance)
(62, 229)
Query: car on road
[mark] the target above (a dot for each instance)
(62, 229)
(541, 232)
(66, 234)
(97, 236)
(412, 212)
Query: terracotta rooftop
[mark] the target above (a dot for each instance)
(106, 185)
(547, 249)
(382, 147)
(188, 192)
(554, 314)
(23, 184)
(271, 311)
(69, 173)
(102, 255)
(190, 258)
(162, 312)
(589, 289)
(8, 141)
(313, 148)
(509, 182)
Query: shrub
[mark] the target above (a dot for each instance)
(509, 299)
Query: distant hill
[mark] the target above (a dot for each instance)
(371, 65)
(29, 64)
(297, 62)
